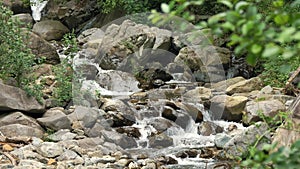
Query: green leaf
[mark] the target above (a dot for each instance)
(251, 60)
(226, 3)
(286, 35)
(281, 19)
(165, 8)
(233, 16)
(216, 18)
(296, 36)
(240, 5)
(246, 28)
(287, 54)
(251, 12)
(270, 51)
(256, 48)
(229, 26)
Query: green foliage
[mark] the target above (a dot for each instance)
(16, 59)
(263, 31)
(130, 6)
(64, 72)
(266, 157)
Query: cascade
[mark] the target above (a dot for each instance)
(36, 7)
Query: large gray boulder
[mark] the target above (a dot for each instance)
(42, 48)
(17, 124)
(50, 29)
(13, 98)
(55, 119)
(267, 108)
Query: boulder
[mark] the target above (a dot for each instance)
(152, 78)
(160, 141)
(200, 58)
(13, 98)
(50, 29)
(198, 94)
(86, 117)
(13, 130)
(245, 86)
(41, 48)
(117, 81)
(240, 143)
(18, 118)
(222, 85)
(161, 124)
(55, 119)
(74, 13)
(228, 107)
(128, 38)
(289, 132)
(267, 108)
(207, 128)
(119, 139)
(25, 19)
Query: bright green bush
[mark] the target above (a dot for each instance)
(16, 59)
(64, 73)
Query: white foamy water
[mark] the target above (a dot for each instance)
(37, 7)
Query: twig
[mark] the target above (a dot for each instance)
(12, 160)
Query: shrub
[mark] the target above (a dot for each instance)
(16, 59)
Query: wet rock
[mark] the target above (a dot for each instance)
(129, 131)
(119, 139)
(192, 153)
(245, 86)
(41, 48)
(50, 29)
(160, 141)
(267, 108)
(207, 128)
(161, 124)
(148, 77)
(194, 112)
(55, 119)
(50, 149)
(169, 113)
(117, 113)
(9, 101)
(221, 140)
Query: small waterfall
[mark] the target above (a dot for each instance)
(36, 7)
